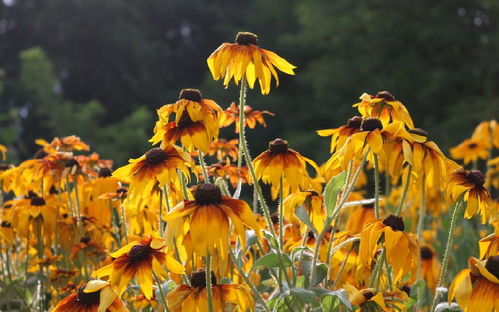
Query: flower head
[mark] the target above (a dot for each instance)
(245, 58)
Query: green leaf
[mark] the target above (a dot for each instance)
(302, 214)
(305, 296)
(272, 241)
(321, 270)
(333, 187)
(251, 239)
(418, 289)
(341, 294)
(272, 260)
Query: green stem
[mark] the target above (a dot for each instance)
(281, 215)
(376, 186)
(203, 166)
(209, 294)
(422, 209)
(123, 220)
(183, 182)
(404, 194)
(161, 293)
(445, 260)
(78, 207)
(342, 268)
(249, 283)
(160, 221)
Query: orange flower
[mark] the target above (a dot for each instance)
(245, 59)
(470, 150)
(252, 117)
(385, 107)
(140, 259)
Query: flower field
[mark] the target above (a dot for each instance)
(390, 222)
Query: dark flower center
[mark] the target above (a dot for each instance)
(70, 163)
(208, 194)
(40, 154)
(185, 120)
(4, 167)
(406, 289)
(418, 131)
(37, 201)
(85, 240)
(155, 156)
(139, 252)
(198, 278)
(472, 145)
(105, 172)
(65, 215)
(476, 177)
(426, 253)
(354, 122)
(275, 219)
(396, 223)
(246, 38)
(370, 124)
(31, 194)
(6, 224)
(385, 95)
(313, 193)
(53, 190)
(191, 95)
(88, 299)
(310, 235)
(121, 191)
(368, 206)
(278, 146)
(492, 265)
(368, 295)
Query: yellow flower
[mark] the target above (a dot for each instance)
(470, 184)
(95, 296)
(430, 266)
(340, 135)
(245, 59)
(193, 298)
(476, 289)
(202, 225)
(488, 133)
(279, 161)
(139, 259)
(489, 245)
(402, 249)
(470, 150)
(385, 107)
(158, 165)
(196, 122)
(252, 117)
(359, 217)
(365, 299)
(312, 202)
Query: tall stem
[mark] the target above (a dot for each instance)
(249, 283)
(404, 194)
(281, 215)
(376, 186)
(445, 260)
(160, 221)
(422, 209)
(209, 293)
(161, 293)
(203, 167)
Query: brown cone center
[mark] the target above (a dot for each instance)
(208, 194)
(191, 95)
(139, 252)
(155, 156)
(198, 279)
(477, 177)
(278, 146)
(396, 223)
(370, 124)
(88, 299)
(492, 265)
(246, 38)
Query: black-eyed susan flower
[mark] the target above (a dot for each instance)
(280, 161)
(488, 133)
(476, 289)
(195, 124)
(430, 266)
(312, 203)
(341, 134)
(470, 185)
(194, 297)
(470, 150)
(158, 165)
(385, 107)
(140, 259)
(95, 296)
(252, 116)
(189, 220)
(402, 249)
(224, 149)
(359, 217)
(245, 58)
(366, 299)
(489, 245)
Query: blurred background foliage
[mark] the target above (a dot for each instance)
(99, 69)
